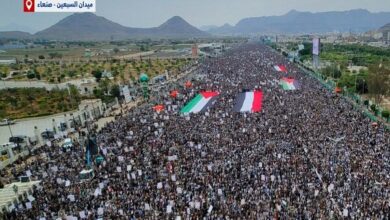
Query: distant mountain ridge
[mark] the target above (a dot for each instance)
(385, 28)
(20, 35)
(207, 27)
(224, 29)
(295, 22)
(90, 27)
(177, 26)
(17, 27)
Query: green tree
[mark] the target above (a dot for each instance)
(97, 74)
(55, 55)
(115, 91)
(98, 93)
(361, 86)
(71, 73)
(122, 76)
(104, 84)
(307, 50)
(38, 76)
(31, 75)
(332, 71)
(3, 110)
(386, 114)
(74, 94)
(13, 101)
(373, 107)
(378, 82)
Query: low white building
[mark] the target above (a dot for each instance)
(16, 193)
(10, 152)
(87, 88)
(7, 61)
(91, 109)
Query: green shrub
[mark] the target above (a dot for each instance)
(386, 114)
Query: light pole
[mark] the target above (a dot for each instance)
(9, 127)
(74, 122)
(54, 126)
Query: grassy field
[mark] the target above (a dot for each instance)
(33, 102)
(74, 52)
(34, 53)
(341, 56)
(56, 72)
(360, 55)
(57, 62)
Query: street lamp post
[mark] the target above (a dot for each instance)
(9, 127)
(74, 121)
(54, 126)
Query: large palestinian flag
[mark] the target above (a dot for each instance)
(200, 103)
(249, 101)
(280, 68)
(289, 83)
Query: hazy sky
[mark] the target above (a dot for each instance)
(150, 13)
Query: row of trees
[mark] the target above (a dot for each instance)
(378, 82)
(107, 90)
(58, 72)
(32, 102)
(375, 81)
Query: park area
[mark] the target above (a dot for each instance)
(63, 61)
(33, 102)
(356, 69)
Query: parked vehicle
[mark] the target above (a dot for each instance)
(18, 139)
(63, 126)
(6, 122)
(47, 135)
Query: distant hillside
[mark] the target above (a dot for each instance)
(15, 35)
(207, 27)
(385, 28)
(306, 22)
(177, 27)
(88, 26)
(84, 26)
(223, 30)
(18, 27)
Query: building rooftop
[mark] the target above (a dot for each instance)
(8, 194)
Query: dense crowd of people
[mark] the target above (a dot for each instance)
(309, 154)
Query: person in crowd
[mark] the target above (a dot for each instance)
(309, 154)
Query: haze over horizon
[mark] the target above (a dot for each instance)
(199, 13)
